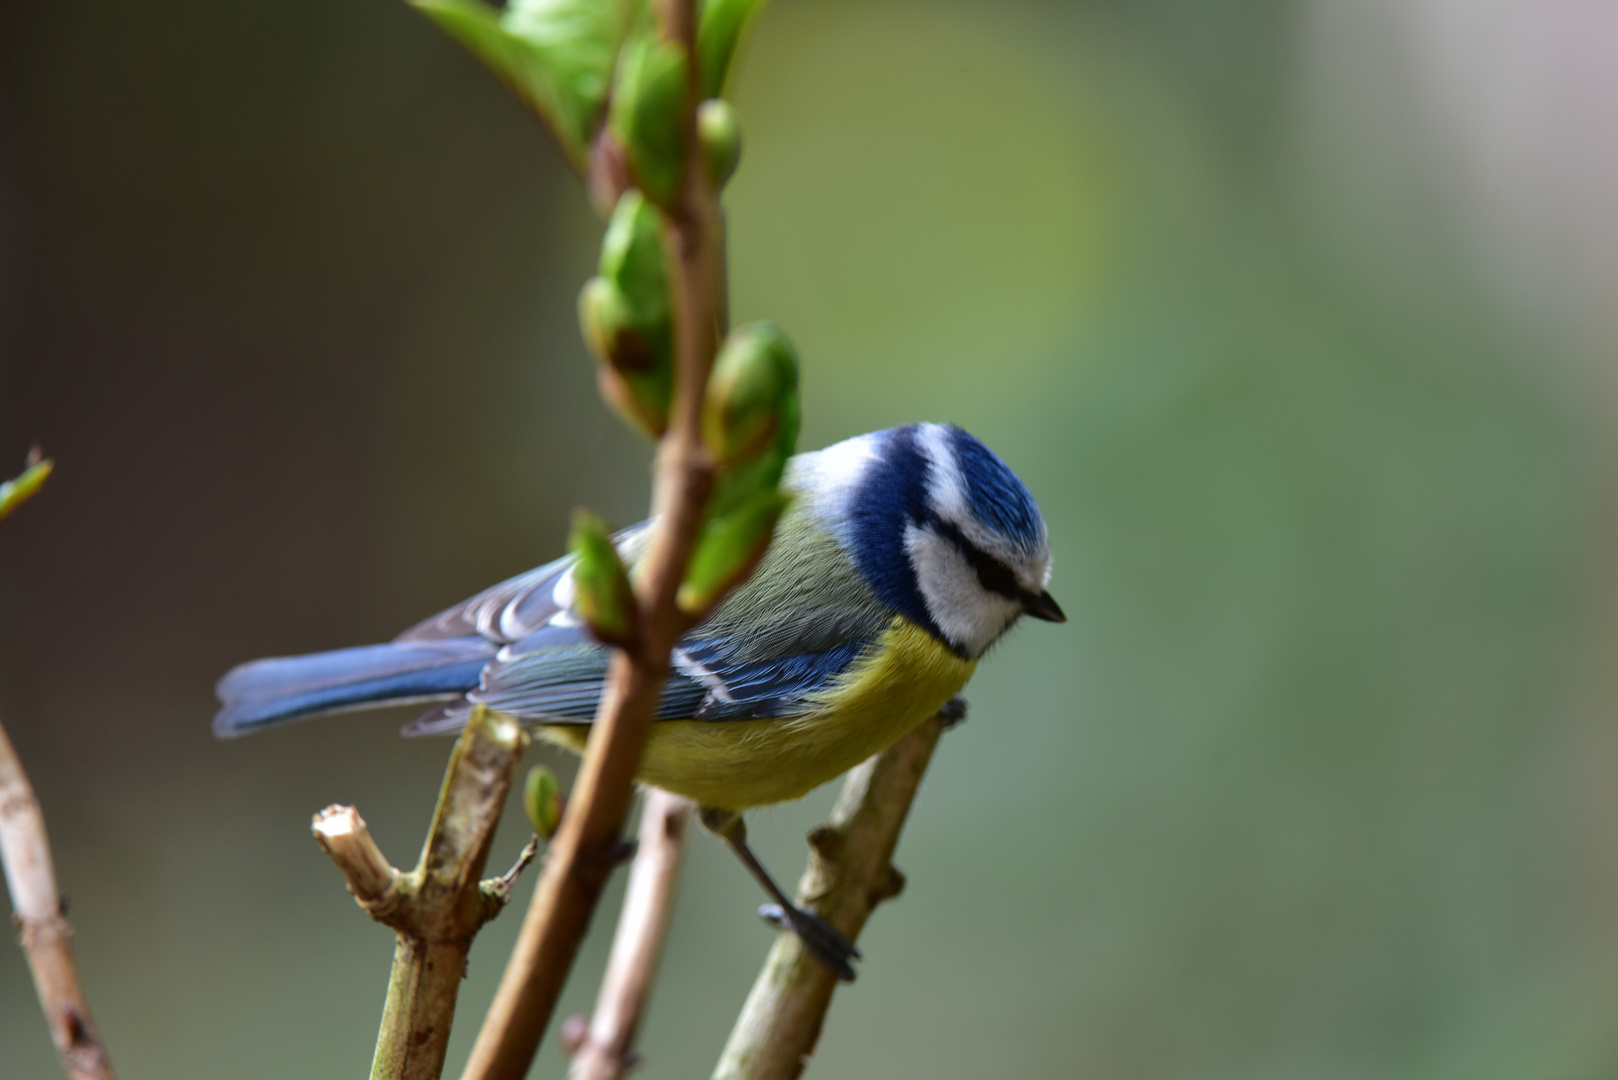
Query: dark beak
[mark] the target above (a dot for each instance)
(1043, 606)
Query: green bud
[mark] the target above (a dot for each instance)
(631, 399)
(13, 493)
(557, 55)
(720, 134)
(625, 315)
(752, 400)
(728, 549)
(632, 256)
(618, 338)
(719, 29)
(602, 595)
(542, 799)
(648, 114)
(635, 375)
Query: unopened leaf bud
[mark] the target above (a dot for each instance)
(647, 114)
(752, 399)
(632, 256)
(720, 134)
(625, 315)
(542, 799)
(728, 549)
(602, 595)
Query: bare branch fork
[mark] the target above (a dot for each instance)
(437, 908)
(581, 856)
(850, 872)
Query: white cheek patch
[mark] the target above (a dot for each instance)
(968, 614)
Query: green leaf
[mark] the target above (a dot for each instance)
(13, 493)
(648, 114)
(542, 799)
(719, 29)
(728, 549)
(557, 55)
(720, 134)
(602, 595)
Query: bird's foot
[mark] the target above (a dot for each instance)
(818, 936)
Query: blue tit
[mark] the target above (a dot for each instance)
(903, 556)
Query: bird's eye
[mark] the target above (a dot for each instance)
(994, 575)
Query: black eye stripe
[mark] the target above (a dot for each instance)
(993, 575)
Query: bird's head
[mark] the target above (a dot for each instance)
(942, 530)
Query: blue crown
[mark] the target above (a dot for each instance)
(994, 492)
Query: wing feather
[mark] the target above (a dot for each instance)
(520, 605)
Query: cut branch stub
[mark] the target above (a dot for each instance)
(438, 907)
(341, 834)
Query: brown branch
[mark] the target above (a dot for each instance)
(341, 833)
(25, 852)
(582, 854)
(604, 1049)
(437, 908)
(850, 872)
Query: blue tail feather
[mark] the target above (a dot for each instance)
(273, 691)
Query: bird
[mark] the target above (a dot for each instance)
(902, 557)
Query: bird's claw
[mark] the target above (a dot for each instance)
(818, 936)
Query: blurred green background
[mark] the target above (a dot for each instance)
(1295, 316)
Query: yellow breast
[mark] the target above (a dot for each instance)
(736, 764)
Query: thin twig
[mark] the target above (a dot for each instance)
(850, 872)
(25, 852)
(437, 908)
(605, 1048)
(581, 856)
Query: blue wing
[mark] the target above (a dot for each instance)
(517, 648)
(441, 658)
(540, 679)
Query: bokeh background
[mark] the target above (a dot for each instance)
(1297, 316)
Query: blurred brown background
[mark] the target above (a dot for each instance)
(1296, 316)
